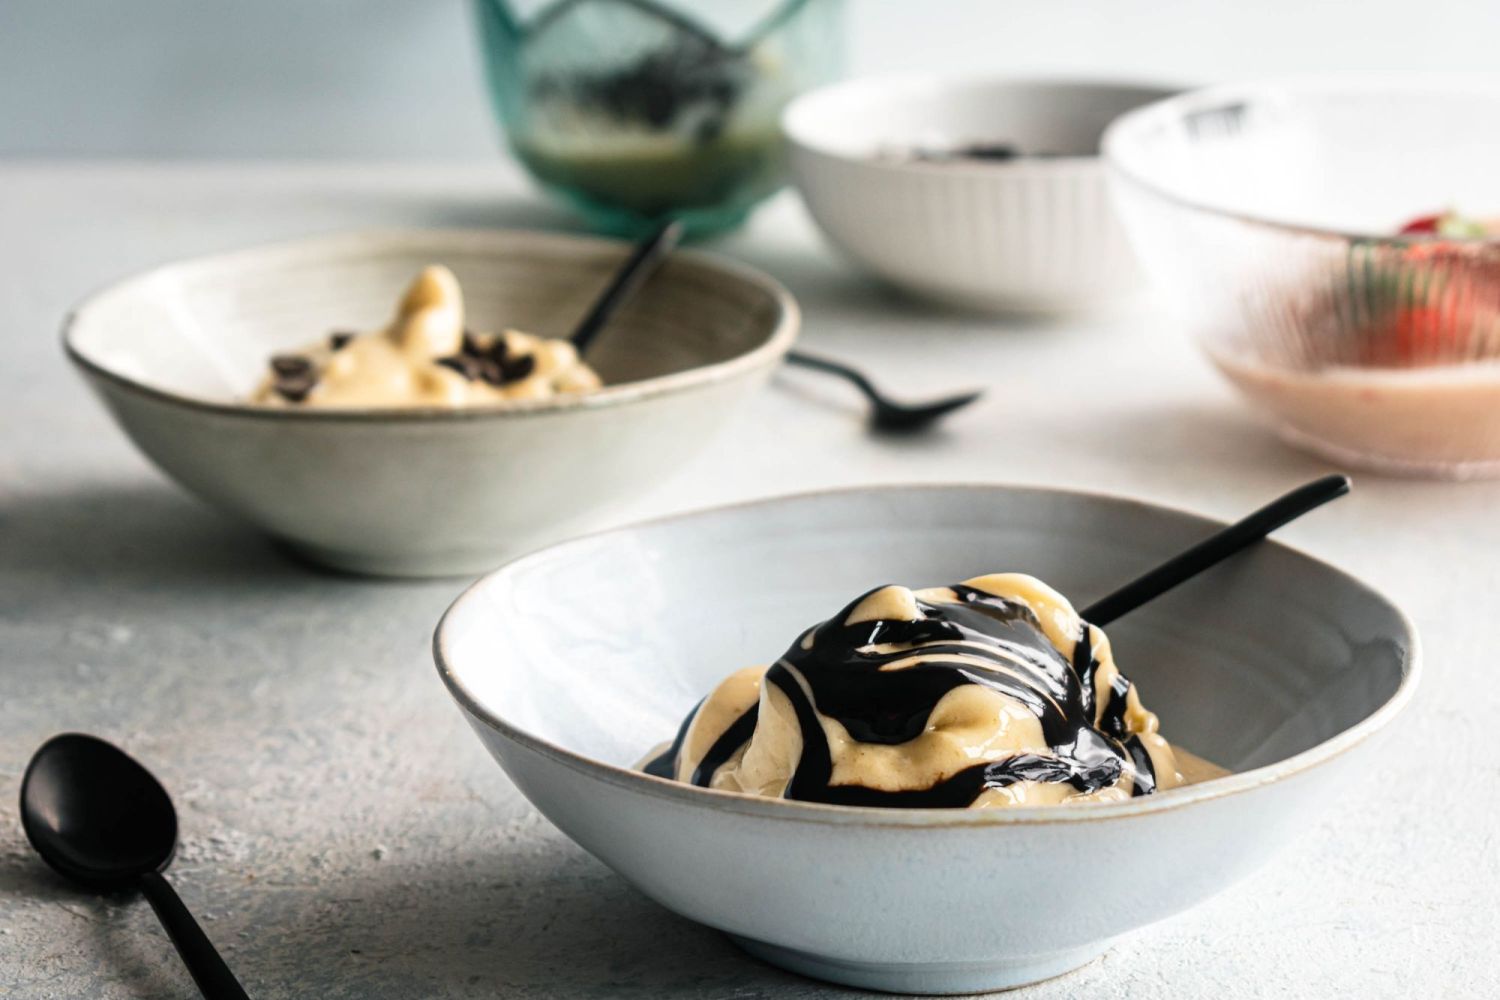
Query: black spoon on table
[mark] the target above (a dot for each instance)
(1216, 548)
(886, 414)
(100, 819)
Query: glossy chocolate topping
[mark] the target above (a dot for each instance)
(887, 672)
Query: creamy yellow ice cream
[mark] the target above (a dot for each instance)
(993, 692)
(426, 357)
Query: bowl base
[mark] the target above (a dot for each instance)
(934, 978)
(698, 223)
(417, 565)
(1020, 305)
(1387, 465)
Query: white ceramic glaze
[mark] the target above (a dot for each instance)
(1030, 234)
(571, 663)
(424, 492)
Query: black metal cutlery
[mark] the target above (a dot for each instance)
(1216, 548)
(886, 413)
(101, 820)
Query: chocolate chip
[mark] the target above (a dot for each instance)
(517, 369)
(465, 364)
(339, 339)
(493, 366)
(294, 388)
(290, 365)
(293, 377)
(499, 350)
(490, 370)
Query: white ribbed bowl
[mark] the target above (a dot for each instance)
(1032, 234)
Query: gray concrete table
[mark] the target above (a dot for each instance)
(344, 835)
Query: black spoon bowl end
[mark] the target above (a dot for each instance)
(103, 821)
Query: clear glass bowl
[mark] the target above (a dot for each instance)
(1269, 213)
(633, 111)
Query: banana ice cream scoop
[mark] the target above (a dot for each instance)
(426, 357)
(992, 692)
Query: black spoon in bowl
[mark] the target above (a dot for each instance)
(642, 263)
(1216, 548)
(886, 414)
(100, 819)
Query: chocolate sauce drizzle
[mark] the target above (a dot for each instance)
(980, 639)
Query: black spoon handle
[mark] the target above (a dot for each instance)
(213, 977)
(1216, 548)
(641, 264)
(822, 364)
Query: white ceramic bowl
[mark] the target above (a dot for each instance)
(424, 492)
(572, 662)
(1031, 234)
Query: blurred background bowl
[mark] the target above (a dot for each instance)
(175, 352)
(1269, 214)
(632, 111)
(1031, 233)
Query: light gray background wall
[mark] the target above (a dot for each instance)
(399, 78)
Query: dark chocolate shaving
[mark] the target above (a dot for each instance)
(493, 365)
(993, 152)
(291, 365)
(489, 372)
(465, 364)
(292, 377)
(294, 389)
(499, 349)
(517, 369)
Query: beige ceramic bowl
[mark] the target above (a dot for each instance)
(174, 352)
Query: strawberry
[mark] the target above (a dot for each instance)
(1440, 308)
(1448, 223)
(1421, 225)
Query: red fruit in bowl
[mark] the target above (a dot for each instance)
(1420, 333)
(1449, 224)
(1448, 291)
(1421, 224)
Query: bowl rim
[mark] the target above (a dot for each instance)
(782, 334)
(798, 135)
(1236, 783)
(1118, 132)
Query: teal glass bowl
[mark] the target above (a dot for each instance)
(635, 111)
